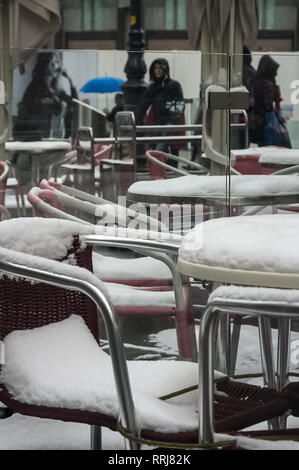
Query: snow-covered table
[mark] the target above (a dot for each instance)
(259, 250)
(38, 150)
(212, 190)
(272, 156)
(248, 251)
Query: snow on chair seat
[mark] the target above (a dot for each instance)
(51, 238)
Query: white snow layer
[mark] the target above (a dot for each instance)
(259, 243)
(123, 295)
(62, 365)
(259, 294)
(205, 186)
(50, 238)
(112, 268)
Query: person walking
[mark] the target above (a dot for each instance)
(266, 124)
(119, 106)
(163, 101)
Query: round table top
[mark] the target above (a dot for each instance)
(271, 155)
(39, 146)
(111, 161)
(212, 190)
(259, 250)
(77, 166)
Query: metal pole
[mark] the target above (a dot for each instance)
(135, 67)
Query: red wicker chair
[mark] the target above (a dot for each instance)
(159, 169)
(145, 303)
(249, 165)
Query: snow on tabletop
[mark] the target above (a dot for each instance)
(260, 294)
(279, 155)
(260, 243)
(205, 186)
(50, 238)
(70, 370)
(109, 267)
(271, 154)
(37, 146)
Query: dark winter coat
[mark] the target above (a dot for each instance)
(164, 95)
(266, 98)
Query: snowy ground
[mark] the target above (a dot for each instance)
(25, 433)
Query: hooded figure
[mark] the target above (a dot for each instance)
(266, 97)
(164, 101)
(163, 94)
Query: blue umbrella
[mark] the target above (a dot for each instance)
(103, 85)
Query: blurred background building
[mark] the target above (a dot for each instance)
(103, 24)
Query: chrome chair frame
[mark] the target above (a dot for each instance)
(266, 311)
(106, 310)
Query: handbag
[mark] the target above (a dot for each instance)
(276, 132)
(175, 110)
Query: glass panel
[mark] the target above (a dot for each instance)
(273, 123)
(49, 102)
(214, 85)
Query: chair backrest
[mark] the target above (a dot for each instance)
(101, 151)
(4, 169)
(26, 305)
(250, 165)
(156, 171)
(47, 203)
(53, 202)
(157, 166)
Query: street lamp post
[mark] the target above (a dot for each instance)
(135, 67)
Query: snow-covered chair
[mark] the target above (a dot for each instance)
(144, 271)
(280, 304)
(54, 367)
(96, 207)
(158, 301)
(156, 162)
